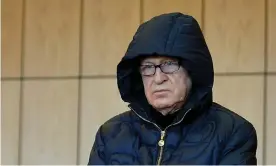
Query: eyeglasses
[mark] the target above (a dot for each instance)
(168, 67)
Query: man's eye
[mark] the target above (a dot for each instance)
(170, 63)
(147, 67)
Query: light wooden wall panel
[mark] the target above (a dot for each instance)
(271, 35)
(10, 122)
(234, 31)
(243, 95)
(51, 43)
(153, 8)
(11, 37)
(108, 27)
(100, 101)
(270, 121)
(49, 131)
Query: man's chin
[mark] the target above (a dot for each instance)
(162, 105)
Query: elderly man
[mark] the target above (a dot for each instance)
(167, 77)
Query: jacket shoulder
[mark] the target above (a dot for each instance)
(237, 135)
(230, 123)
(114, 125)
(124, 117)
(229, 116)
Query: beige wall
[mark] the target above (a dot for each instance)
(50, 114)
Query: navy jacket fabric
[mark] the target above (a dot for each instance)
(203, 132)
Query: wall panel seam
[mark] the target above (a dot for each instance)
(141, 10)
(203, 16)
(79, 81)
(21, 93)
(84, 77)
(265, 78)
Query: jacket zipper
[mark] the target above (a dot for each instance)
(161, 142)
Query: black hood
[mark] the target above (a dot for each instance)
(174, 35)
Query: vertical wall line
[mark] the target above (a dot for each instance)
(203, 16)
(21, 93)
(265, 79)
(80, 83)
(141, 11)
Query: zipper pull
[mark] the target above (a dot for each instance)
(161, 142)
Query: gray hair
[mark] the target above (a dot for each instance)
(189, 83)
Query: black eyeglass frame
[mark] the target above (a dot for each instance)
(161, 67)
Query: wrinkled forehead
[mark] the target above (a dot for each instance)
(157, 59)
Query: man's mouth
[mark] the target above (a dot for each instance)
(161, 91)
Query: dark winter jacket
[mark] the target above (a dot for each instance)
(202, 132)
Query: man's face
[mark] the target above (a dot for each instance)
(163, 90)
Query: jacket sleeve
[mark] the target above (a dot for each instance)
(97, 155)
(241, 147)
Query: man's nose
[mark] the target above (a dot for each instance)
(159, 76)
